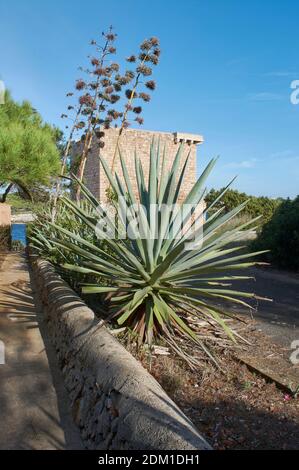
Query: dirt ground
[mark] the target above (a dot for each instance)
(237, 408)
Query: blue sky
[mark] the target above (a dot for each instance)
(225, 72)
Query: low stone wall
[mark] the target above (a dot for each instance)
(116, 403)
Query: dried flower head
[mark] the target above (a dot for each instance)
(99, 133)
(146, 45)
(113, 113)
(109, 90)
(137, 109)
(144, 57)
(111, 37)
(114, 67)
(80, 84)
(121, 80)
(99, 71)
(131, 58)
(106, 82)
(144, 70)
(80, 125)
(144, 96)
(140, 120)
(63, 116)
(107, 71)
(95, 62)
(126, 124)
(129, 74)
(104, 96)
(154, 41)
(151, 85)
(101, 144)
(86, 111)
(69, 94)
(114, 98)
(112, 49)
(117, 86)
(93, 42)
(86, 99)
(130, 94)
(154, 59)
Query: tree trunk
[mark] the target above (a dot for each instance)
(6, 192)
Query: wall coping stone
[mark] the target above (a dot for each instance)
(116, 403)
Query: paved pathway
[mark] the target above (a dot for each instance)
(34, 406)
(279, 318)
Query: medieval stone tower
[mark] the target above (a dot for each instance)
(139, 140)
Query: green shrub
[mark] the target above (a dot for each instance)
(255, 206)
(41, 232)
(281, 236)
(5, 238)
(20, 205)
(17, 245)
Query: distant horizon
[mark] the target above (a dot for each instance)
(226, 73)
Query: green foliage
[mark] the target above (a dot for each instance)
(41, 232)
(5, 238)
(19, 204)
(17, 245)
(255, 206)
(28, 150)
(281, 236)
(154, 285)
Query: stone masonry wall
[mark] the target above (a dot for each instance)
(116, 403)
(139, 140)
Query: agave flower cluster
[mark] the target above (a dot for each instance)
(98, 103)
(156, 284)
(148, 57)
(98, 95)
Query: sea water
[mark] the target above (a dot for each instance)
(18, 232)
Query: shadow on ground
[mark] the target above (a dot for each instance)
(34, 405)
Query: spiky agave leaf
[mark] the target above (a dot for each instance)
(155, 279)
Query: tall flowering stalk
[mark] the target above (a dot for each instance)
(88, 107)
(65, 157)
(149, 54)
(97, 96)
(99, 92)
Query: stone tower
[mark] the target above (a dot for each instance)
(139, 140)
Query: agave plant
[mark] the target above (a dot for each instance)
(155, 284)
